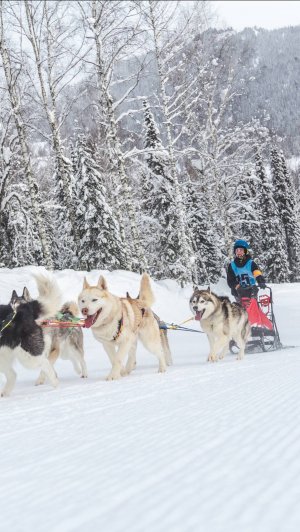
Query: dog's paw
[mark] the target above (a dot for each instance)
(113, 376)
(4, 393)
(162, 369)
(212, 358)
(40, 380)
(83, 376)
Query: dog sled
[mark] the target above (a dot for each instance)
(264, 334)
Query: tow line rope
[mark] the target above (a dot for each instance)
(60, 323)
(174, 327)
(78, 322)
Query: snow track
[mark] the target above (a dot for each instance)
(211, 447)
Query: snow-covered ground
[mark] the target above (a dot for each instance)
(204, 447)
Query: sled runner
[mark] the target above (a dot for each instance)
(264, 333)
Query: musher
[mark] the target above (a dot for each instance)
(243, 273)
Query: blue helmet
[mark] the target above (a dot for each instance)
(241, 244)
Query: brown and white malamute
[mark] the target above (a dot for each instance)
(222, 321)
(118, 322)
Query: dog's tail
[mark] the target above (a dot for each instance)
(49, 297)
(146, 295)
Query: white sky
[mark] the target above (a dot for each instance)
(264, 14)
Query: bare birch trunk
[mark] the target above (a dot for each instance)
(32, 184)
(115, 151)
(183, 229)
(50, 108)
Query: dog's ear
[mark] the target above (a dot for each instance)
(26, 294)
(85, 284)
(14, 296)
(208, 289)
(195, 288)
(102, 284)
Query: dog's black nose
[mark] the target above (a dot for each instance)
(195, 308)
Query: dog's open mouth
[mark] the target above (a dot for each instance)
(90, 320)
(199, 314)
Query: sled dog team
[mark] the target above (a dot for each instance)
(116, 322)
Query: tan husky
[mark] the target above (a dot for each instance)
(118, 322)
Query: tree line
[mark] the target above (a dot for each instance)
(81, 188)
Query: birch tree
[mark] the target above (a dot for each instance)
(12, 73)
(57, 61)
(113, 34)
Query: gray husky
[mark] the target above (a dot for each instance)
(67, 343)
(222, 321)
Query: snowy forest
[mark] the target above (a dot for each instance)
(136, 136)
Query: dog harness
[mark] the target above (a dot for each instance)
(119, 329)
(7, 322)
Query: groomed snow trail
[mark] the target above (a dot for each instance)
(211, 447)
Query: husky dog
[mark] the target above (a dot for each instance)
(222, 321)
(118, 322)
(67, 343)
(16, 301)
(163, 335)
(20, 335)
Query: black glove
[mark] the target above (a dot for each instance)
(262, 284)
(261, 281)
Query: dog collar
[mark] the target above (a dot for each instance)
(120, 324)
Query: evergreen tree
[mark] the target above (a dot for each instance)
(246, 207)
(101, 245)
(274, 255)
(19, 239)
(208, 256)
(64, 243)
(159, 204)
(285, 198)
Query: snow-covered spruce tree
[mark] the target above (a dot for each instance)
(150, 175)
(5, 174)
(173, 104)
(274, 255)
(207, 252)
(248, 224)
(158, 205)
(153, 142)
(285, 198)
(101, 245)
(19, 239)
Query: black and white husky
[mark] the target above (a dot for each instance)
(21, 337)
(222, 321)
